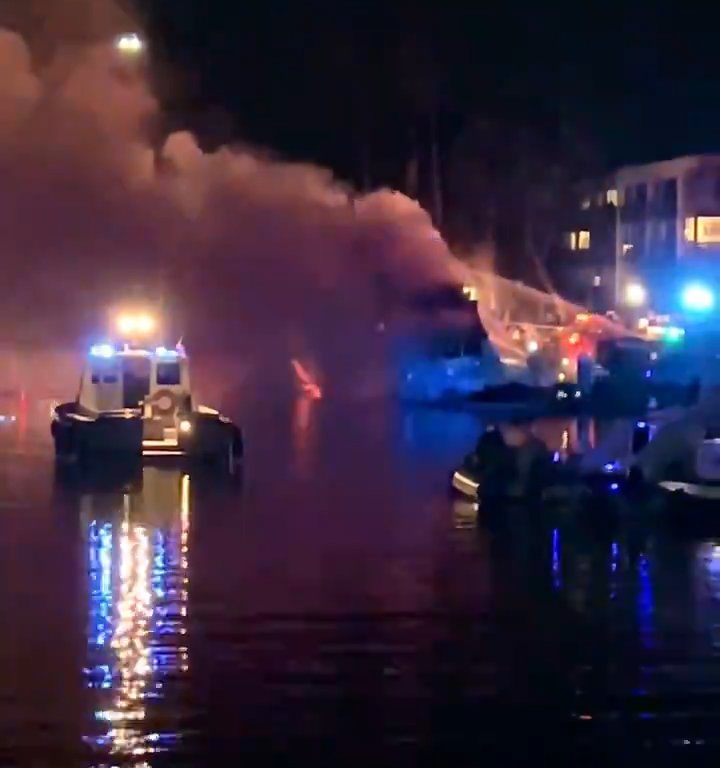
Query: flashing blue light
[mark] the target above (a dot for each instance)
(641, 424)
(698, 298)
(614, 487)
(102, 350)
(610, 466)
(164, 352)
(673, 333)
(648, 374)
(556, 457)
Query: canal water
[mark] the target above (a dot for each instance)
(337, 605)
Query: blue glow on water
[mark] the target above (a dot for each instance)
(614, 563)
(556, 554)
(166, 654)
(99, 671)
(645, 602)
(100, 562)
(158, 573)
(137, 608)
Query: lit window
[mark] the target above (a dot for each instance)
(570, 240)
(690, 229)
(611, 196)
(627, 247)
(597, 281)
(585, 203)
(583, 240)
(707, 230)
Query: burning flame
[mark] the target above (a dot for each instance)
(307, 384)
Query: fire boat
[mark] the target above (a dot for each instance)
(135, 402)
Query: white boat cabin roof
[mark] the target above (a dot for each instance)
(118, 378)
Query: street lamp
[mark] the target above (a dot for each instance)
(635, 294)
(130, 44)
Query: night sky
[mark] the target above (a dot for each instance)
(348, 84)
(339, 82)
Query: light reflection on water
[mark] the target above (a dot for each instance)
(304, 434)
(138, 566)
(379, 612)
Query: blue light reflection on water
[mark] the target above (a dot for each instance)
(556, 554)
(168, 652)
(429, 434)
(158, 575)
(136, 632)
(646, 602)
(98, 673)
(614, 564)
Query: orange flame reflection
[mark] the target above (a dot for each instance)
(308, 385)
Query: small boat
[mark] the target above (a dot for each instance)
(136, 403)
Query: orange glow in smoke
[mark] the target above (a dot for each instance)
(308, 385)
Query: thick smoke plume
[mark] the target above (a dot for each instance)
(272, 259)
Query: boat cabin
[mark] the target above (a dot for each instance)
(152, 381)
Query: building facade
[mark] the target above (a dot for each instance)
(651, 225)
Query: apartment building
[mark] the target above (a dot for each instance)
(649, 224)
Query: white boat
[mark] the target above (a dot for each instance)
(676, 450)
(134, 403)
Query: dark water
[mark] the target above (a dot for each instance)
(339, 607)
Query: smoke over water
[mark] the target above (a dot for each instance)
(267, 259)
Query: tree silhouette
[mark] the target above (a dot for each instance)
(513, 184)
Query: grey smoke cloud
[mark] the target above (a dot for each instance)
(245, 247)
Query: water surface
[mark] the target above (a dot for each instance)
(339, 606)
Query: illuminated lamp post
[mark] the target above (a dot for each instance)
(635, 295)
